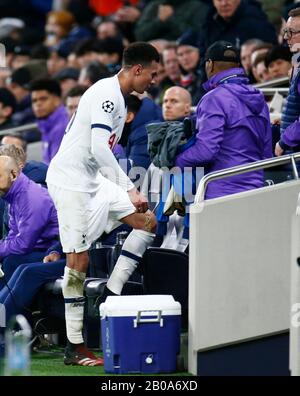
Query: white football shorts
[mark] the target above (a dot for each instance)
(84, 216)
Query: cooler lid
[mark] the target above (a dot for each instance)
(131, 305)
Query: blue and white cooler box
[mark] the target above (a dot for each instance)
(140, 334)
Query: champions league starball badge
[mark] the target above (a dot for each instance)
(108, 106)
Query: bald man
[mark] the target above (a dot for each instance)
(35, 170)
(33, 225)
(177, 104)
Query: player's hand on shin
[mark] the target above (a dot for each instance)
(138, 200)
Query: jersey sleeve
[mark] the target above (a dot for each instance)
(103, 108)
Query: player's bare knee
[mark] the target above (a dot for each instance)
(78, 261)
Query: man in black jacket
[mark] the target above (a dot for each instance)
(236, 21)
(7, 107)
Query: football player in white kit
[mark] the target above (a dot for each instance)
(91, 192)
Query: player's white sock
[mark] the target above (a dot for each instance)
(72, 289)
(132, 251)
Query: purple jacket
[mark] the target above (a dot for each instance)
(33, 221)
(291, 136)
(53, 129)
(233, 129)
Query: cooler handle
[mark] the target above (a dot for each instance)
(139, 318)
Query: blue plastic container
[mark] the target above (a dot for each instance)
(140, 334)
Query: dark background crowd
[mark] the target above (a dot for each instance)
(79, 42)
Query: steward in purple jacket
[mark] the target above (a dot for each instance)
(233, 125)
(53, 130)
(32, 218)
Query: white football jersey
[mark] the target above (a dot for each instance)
(101, 110)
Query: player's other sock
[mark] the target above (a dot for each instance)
(132, 252)
(74, 304)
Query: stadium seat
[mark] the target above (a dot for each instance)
(101, 261)
(165, 271)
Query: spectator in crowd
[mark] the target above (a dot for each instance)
(34, 170)
(172, 70)
(92, 72)
(128, 13)
(110, 52)
(127, 17)
(278, 62)
(18, 84)
(160, 44)
(109, 28)
(39, 51)
(259, 69)
(289, 128)
(233, 124)
(72, 61)
(236, 21)
(260, 50)
(7, 108)
(73, 97)
(169, 19)
(51, 115)
(67, 79)
(21, 56)
(171, 64)
(246, 50)
(57, 60)
(86, 50)
(189, 60)
(33, 225)
(58, 26)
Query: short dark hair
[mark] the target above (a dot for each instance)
(140, 53)
(78, 90)
(47, 84)
(133, 103)
(294, 13)
(19, 136)
(21, 77)
(95, 71)
(7, 99)
(40, 51)
(85, 45)
(278, 52)
(110, 45)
